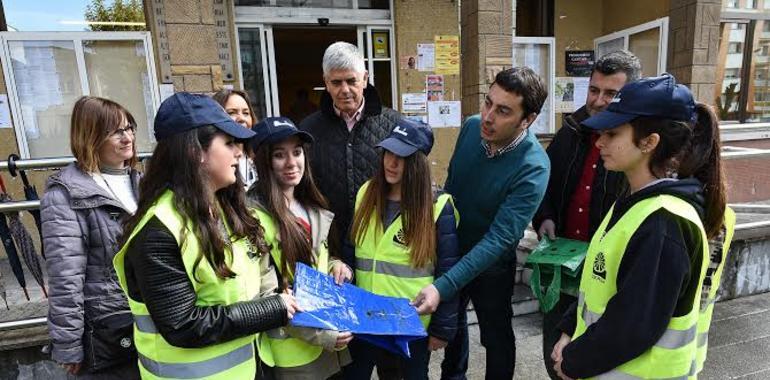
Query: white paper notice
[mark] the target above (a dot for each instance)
(580, 92)
(166, 90)
(426, 57)
(413, 102)
(444, 114)
(5, 112)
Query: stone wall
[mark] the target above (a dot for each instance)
(693, 43)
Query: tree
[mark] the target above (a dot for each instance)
(119, 11)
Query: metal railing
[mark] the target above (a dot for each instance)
(34, 164)
(52, 163)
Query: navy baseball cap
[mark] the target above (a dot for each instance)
(184, 111)
(408, 137)
(276, 129)
(655, 96)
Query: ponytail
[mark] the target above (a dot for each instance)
(704, 163)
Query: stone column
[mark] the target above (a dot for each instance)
(486, 31)
(192, 45)
(693, 45)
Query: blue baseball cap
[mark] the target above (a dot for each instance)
(184, 111)
(655, 96)
(408, 137)
(276, 129)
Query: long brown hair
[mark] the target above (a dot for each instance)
(295, 246)
(416, 209)
(175, 165)
(93, 121)
(691, 150)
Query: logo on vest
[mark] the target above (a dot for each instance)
(125, 342)
(399, 238)
(599, 270)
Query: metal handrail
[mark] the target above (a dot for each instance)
(51, 163)
(23, 323)
(19, 206)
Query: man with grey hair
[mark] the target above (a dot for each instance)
(347, 127)
(580, 191)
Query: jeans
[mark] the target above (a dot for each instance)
(491, 293)
(366, 356)
(551, 334)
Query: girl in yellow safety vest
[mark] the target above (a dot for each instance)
(640, 291)
(404, 235)
(193, 259)
(297, 225)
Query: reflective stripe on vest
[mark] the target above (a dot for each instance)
(159, 359)
(201, 369)
(719, 250)
(383, 264)
(276, 347)
(674, 354)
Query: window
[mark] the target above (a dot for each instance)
(46, 73)
(647, 41)
(742, 93)
(731, 4)
(345, 4)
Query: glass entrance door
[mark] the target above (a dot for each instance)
(257, 60)
(281, 64)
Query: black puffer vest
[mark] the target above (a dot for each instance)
(343, 160)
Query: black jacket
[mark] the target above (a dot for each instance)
(156, 276)
(343, 160)
(567, 152)
(654, 282)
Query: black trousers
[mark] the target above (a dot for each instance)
(491, 293)
(551, 334)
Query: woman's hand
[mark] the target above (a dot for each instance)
(563, 341)
(341, 273)
(435, 344)
(72, 368)
(291, 304)
(556, 355)
(343, 338)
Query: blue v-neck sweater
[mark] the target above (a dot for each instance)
(496, 198)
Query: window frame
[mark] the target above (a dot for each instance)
(625, 34)
(77, 39)
(750, 21)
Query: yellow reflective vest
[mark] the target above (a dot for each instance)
(276, 347)
(719, 248)
(674, 354)
(383, 263)
(159, 359)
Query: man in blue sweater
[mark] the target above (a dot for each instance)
(498, 175)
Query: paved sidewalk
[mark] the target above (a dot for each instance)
(739, 343)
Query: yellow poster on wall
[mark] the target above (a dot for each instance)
(380, 44)
(447, 54)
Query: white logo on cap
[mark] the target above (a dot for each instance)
(616, 99)
(278, 123)
(400, 131)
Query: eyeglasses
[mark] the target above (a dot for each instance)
(120, 132)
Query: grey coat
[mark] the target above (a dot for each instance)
(81, 225)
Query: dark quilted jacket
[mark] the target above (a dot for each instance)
(343, 160)
(81, 227)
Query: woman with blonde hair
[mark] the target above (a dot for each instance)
(82, 210)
